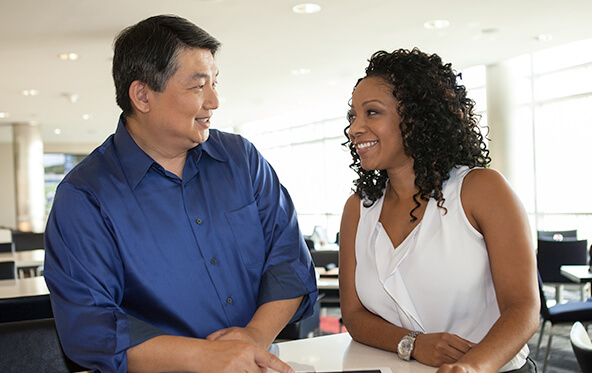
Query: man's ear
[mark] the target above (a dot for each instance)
(138, 92)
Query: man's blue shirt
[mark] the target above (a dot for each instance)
(133, 251)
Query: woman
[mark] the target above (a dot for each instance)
(436, 258)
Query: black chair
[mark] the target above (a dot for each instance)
(582, 346)
(571, 235)
(551, 255)
(565, 313)
(6, 247)
(309, 243)
(328, 259)
(25, 308)
(33, 346)
(27, 240)
(7, 270)
(303, 328)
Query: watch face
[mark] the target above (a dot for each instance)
(406, 345)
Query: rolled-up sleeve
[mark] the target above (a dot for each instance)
(84, 275)
(289, 271)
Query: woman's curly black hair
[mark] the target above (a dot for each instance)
(438, 125)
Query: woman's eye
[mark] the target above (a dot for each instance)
(351, 117)
(372, 112)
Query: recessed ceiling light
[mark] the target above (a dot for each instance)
(4, 114)
(87, 116)
(300, 71)
(70, 56)
(30, 92)
(436, 24)
(57, 131)
(307, 8)
(544, 37)
(491, 30)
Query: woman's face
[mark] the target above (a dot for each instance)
(375, 126)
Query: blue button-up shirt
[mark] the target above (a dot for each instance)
(133, 251)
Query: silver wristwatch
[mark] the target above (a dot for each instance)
(406, 345)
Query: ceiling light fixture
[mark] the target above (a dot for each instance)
(57, 131)
(300, 71)
(436, 24)
(544, 37)
(30, 92)
(4, 114)
(71, 97)
(87, 116)
(70, 56)
(307, 8)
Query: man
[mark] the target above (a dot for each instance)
(173, 247)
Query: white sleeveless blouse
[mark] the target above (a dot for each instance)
(438, 279)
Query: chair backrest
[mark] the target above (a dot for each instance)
(544, 309)
(7, 270)
(571, 235)
(5, 247)
(33, 346)
(325, 258)
(27, 240)
(551, 255)
(25, 308)
(582, 346)
(309, 243)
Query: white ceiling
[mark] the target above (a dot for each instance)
(263, 42)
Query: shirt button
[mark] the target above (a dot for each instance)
(198, 221)
(213, 261)
(229, 300)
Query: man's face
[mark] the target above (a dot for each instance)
(180, 115)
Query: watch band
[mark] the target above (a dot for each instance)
(406, 345)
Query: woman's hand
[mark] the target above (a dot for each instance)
(436, 349)
(456, 368)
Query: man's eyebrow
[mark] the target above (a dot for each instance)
(203, 75)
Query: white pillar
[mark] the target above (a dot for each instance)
(29, 177)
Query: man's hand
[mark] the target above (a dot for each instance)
(247, 334)
(167, 353)
(436, 349)
(238, 356)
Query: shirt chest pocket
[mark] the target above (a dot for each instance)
(247, 231)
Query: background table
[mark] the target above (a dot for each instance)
(31, 260)
(23, 287)
(339, 352)
(577, 273)
(24, 299)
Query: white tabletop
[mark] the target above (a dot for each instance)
(339, 352)
(24, 287)
(577, 273)
(28, 258)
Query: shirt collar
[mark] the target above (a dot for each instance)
(135, 162)
(212, 147)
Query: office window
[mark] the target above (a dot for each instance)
(312, 164)
(56, 167)
(562, 85)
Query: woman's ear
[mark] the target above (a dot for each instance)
(138, 93)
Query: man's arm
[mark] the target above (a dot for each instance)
(167, 353)
(267, 322)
